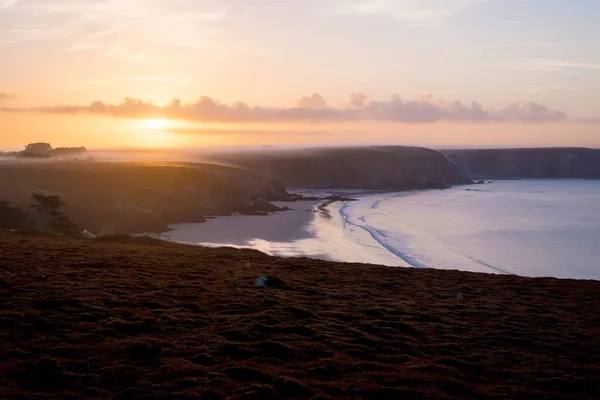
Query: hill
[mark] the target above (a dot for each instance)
(571, 163)
(138, 318)
(140, 196)
(378, 168)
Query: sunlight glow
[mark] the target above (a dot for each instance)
(156, 133)
(155, 124)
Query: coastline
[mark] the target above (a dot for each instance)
(533, 228)
(247, 231)
(441, 229)
(306, 228)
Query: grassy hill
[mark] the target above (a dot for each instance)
(125, 318)
(139, 196)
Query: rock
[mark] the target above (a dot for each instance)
(268, 280)
(460, 296)
(88, 235)
(274, 282)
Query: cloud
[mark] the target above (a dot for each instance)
(245, 132)
(127, 30)
(538, 44)
(418, 13)
(587, 120)
(508, 22)
(536, 64)
(4, 96)
(358, 100)
(314, 101)
(314, 108)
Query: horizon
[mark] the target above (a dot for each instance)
(266, 148)
(224, 74)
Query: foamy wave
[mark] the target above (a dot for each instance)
(387, 229)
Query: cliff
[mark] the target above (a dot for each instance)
(571, 163)
(140, 197)
(377, 168)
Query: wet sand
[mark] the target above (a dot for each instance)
(149, 319)
(310, 228)
(241, 230)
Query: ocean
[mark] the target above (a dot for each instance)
(525, 227)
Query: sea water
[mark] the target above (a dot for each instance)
(523, 227)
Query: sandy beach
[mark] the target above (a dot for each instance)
(138, 318)
(244, 230)
(313, 229)
(535, 228)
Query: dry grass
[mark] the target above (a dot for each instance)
(81, 319)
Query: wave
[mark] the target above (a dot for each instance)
(359, 214)
(379, 236)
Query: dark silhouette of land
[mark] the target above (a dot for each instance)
(136, 197)
(378, 168)
(44, 150)
(547, 163)
(133, 197)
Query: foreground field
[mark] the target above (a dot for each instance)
(107, 319)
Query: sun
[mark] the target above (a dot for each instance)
(155, 124)
(156, 133)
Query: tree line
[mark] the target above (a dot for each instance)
(45, 150)
(46, 215)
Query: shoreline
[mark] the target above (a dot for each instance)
(316, 233)
(377, 228)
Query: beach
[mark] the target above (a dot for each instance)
(312, 228)
(535, 228)
(140, 318)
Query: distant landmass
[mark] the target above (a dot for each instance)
(45, 150)
(136, 197)
(375, 168)
(573, 163)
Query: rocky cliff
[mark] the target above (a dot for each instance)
(379, 168)
(140, 197)
(529, 163)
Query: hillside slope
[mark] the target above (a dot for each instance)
(381, 168)
(105, 319)
(573, 163)
(142, 196)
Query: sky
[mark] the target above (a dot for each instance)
(194, 73)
